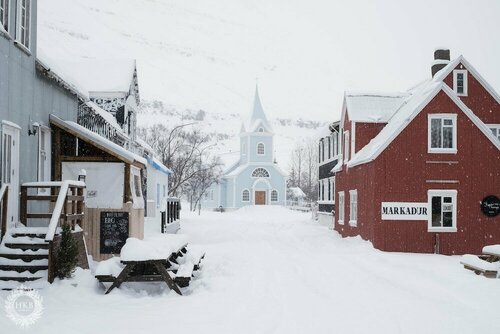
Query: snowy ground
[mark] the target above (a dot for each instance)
(270, 270)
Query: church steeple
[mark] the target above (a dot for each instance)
(257, 117)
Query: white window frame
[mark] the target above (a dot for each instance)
(261, 168)
(44, 158)
(243, 195)
(455, 82)
(274, 191)
(353, 138)
(332, 187)
(259, 145)
(27, 25)
(347, 143)
(335, 149)
(453, 149)
(353, 207)
(442, 193)
(341, 208)
(5, 20)
(495, 127)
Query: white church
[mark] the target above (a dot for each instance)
(255, 179)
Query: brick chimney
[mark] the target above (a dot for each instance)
(441, 59)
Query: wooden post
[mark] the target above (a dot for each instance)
(51, 264)
(80, 206)
(56, 152)
(24, 205)
(127, 192)
(5, 201)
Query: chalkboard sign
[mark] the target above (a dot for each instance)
(491, 206)
(114, 231)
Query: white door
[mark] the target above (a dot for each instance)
(10, 168)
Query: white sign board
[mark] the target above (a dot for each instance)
(104, 182)
(404, 211)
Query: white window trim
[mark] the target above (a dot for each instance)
(18, 25)
(332, 182)
(48, 156)
(257, 148)
(258, 177)
(447, 193)
(452, 150)
(353, 138)
(7, 17)
(353, 222)
(243, 198)
(341, 208)
(455, 79)
(277, 195)
(346, 147)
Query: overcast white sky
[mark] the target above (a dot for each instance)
(207, 53)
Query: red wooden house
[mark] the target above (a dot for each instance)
(421, 169)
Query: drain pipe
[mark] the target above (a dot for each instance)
(436, 243)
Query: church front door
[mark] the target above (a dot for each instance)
(260, 198)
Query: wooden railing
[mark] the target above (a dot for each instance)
(171, 212)
(66, 200)
(4, 204)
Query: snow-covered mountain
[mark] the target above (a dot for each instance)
(224, 128)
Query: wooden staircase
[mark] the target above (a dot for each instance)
(24, 258)
(27, 254)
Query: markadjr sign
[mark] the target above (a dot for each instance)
(404, 211)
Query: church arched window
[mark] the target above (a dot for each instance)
(274, 195)
(261, 150)
(260, 172)
(245, 195)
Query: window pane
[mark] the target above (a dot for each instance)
(137, 186)
(436, 211)
(447, 219)
(447, 137)
(435, 133)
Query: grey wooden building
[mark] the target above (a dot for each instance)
(29, 92)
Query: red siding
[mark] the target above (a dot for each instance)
(366, 132)
(478, 98)
(401, 174)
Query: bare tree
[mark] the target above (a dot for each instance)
(185, 152)
(303, 168)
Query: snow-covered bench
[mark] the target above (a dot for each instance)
(487, 264)
(162, 258)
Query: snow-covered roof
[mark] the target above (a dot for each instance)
(371, 107)
(158, 165)
(297, 192)
(257, 117)
(61, 75)
(99, 75)
(406, 113)
(99, 141)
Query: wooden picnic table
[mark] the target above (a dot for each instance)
(167, 270)
(486, 263)
(129, 275)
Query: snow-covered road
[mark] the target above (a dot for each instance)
(271, 270)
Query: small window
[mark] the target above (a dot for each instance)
(260, 149)
(245, 196)
(24, 22)
(329, 190)
(274, 196)
(260, 172)
(329, 147)
(341, 208)
(353, 207)
(261, 129)
(442, 133)
(443, 207)
(137, 186)
(334, 145)
(332, 189)
(4, 14)
(495, 129)
(460, 82)
(164, 191)
(346, 146)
